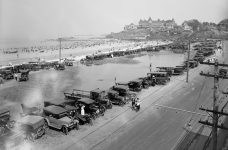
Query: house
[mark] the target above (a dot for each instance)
(143, 24)
(130, 27)
(186, 27)
(170, 24)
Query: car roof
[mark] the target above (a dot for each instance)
(24, 70)
(30, 119)
(86, 100)
(97, 90)
(112, 91)
(121, 87)
(55, 109)
(136, 80)
(157, 73)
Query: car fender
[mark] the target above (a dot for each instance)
(47, 120)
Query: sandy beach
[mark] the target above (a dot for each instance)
(68, 50)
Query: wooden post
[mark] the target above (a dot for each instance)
(60, 48)
(215, 111)
(188, 62)
(215, 106)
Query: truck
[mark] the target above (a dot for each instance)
(97, 94)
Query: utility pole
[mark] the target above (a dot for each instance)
(150, 67)
(215, 111)
(188, 61)
(60, 48)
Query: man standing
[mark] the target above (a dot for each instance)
(15, 76)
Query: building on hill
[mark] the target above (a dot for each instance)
(170, 24)
(186, 27)
(144, 24)
(157, 24)
(130, 27)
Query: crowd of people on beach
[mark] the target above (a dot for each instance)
(55, 45)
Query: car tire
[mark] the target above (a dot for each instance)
(30, 137)
(77, 126)
(46, 127)
(65, 130)
(110, 106)
(90, 121)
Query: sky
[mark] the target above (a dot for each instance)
(42, 19)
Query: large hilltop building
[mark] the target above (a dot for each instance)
(152, 24)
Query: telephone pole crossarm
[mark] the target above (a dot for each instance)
(212, 75)
(212, 63)
(211, 124)
(214, 111)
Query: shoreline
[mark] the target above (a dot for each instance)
(75, 54)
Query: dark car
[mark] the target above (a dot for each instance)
(58, 118)
(124, 91)
(159, 77)
(23, 75)
(115, 98)
(31, 126)
(6, 124)
(73, 110)
(91, 107)
(7, 74)
(223, 72)
(145, 83)
(100, 96)
(135, 85)
(59, 66)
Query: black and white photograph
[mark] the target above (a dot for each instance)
(113, 75)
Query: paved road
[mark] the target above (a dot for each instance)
(162, 129)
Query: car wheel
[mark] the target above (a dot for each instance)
(110, 106)
(77, 126)
(30, 137)
(65, 130)
(90, 121)
(45, 126)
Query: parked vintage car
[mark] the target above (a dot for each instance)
(73, 94)
(58, 118)
(169, 70)
(6, 124)
(124, 91)
(223, 72)
(68, 62)
(145, 83)
(91, 107)
(178, 71)
(135, 85)
(31, 126)
(115, 98)
(7, 74)
(192, 63)
(59, 66)
(73, 110)
(23, 75)
(159, 77)
(100, 96)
